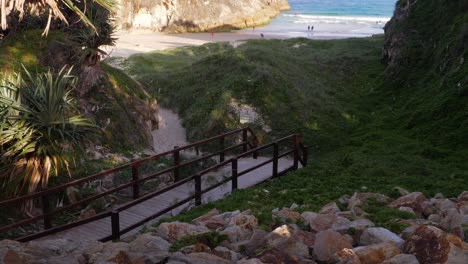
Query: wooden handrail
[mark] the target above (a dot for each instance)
(136, 180)
(120, 168)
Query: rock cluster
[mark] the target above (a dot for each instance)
(176, 16)
(329, 236)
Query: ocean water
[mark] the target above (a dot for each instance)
(330, 19)
(338, 11)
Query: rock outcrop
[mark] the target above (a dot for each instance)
(176, 16)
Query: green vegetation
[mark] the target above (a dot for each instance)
(369, 126)
(387, 217)
(291, 82)
(211, 239)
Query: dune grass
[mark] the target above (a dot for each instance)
(365, 132)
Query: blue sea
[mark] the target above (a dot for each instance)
(331, 19)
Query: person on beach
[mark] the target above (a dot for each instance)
(261, 35)
(212, 34)
(253, 28)
(308, 28)
(312, 28)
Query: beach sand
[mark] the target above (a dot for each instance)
(139, 41)
(129, 43)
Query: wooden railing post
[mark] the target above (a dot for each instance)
(305, 155)
(198, 189)
(115, 222)
(244, 139)
(234, 170)
(275, 159)
(136, 185)
(176, 163)
(296, 151)
(221, 145)
(45, 212)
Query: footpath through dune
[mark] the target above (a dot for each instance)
(170, 133)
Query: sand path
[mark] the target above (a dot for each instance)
(170, 133)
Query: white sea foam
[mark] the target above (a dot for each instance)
(309, 19)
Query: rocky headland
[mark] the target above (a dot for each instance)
(177, 16)
(341, 232)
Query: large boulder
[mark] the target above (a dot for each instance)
(250, 261)
(237, 233)
(320, 222)
(245, 220)
(212, 220)
(358, 225)
(276, 256)
(359, 200)
(199, 258)
(257, 241)
(346, 256)
(330, 208)
(402, 259)
(463, 197)
(413, 200)
(451, 222)
(377, 253)
(107, 252)
(376, 235)
(149, 243)
(176, 230)
(225, 253)
(432, 245)
(286, 215)
(327, 243)
(442, 205)
(284, 239)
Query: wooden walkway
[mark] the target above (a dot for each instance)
(102, 228)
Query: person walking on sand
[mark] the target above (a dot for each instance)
(312, 28)
(308, 28)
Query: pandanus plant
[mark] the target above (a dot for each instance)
(53, 9)
(40, 129)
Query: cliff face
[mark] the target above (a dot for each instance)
(176, 16)
(426, 51)
(433, 32)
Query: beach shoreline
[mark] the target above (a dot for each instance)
(142, 41)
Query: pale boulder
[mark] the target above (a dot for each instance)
(377, 253)
(377, 235)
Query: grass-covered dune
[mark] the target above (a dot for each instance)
(297, 85)
(376, 112)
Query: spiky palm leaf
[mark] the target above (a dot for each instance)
(39, 127)
(52, 7)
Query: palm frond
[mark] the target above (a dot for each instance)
(50, 7)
